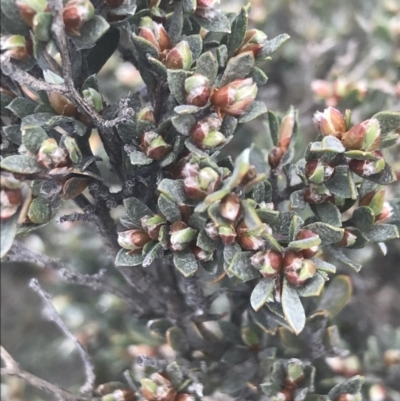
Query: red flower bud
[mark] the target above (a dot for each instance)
(197, 88)
(348, 239)
(205, 133)
(235, 98)
(253, 42)
(154, 146)
(155, 33)
(246, 238)
(10, 201)
(268, 262)
(152, 225)
(76, 13)
(306, 234)
(50, 155)
(180, 57)
(330, 122)
(365, 168)
(318, 172)
(274, 157)
(227, 234)
(145, 114)
(133, 239)
(230, 207)
(181, 236)
(364, 136)
(201, 254)
(206, 182)
(315, 195)
(297, 269)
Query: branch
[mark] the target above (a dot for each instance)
(12, 369)
(24, 78)
(88, 387)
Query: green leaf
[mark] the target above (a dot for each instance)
(176, 24)
(22, 106)
(363, 218)
(185, 262)
(350, 386)
(13, 133)
(229, 125)
(261, 292)
(138, 158)
(271, 46)
(15, 24)
(340, 256)
(241, 267)
(273, 123)
(8, 230)
(39, 211)
(324, 266)
(21, 164)
(239, 28)
(250, 216)
(205, 242)
(259, 76)
(336, 295)
(173, 189)
(135, 210)
(222, 55)
(256, 109)
(382, 232)
(207, 65)
(306, 243)
(341, 183)
(385, 177)
(176, 83)
(184, 123)
(236, 354)
(90, 33)
(124, 259)
(219, 22)
(329, 234)
(293, 308)
(32, 137)
(196, 45)
(312, 287)
(388, 121)
(157, 67)
(156, 252)
(328, 213)
(169, 209)
(238, 67)
(230, 251)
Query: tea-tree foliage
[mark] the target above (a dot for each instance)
(264, 229)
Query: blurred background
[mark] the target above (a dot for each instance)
(344, 54)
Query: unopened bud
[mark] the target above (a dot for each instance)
(298, 270)
(268, 262)
(230, 207)
(179, 57)
(206, 182)
(201, 254)
(386, 214)
(275, 156)
(253, 42)
(145, 114)
(349, 239)
(317, 194)
(76, 13)
(247, 239)
(154, 146)
(318, 172)
(235, 98)
(133, 239)
(197, 88)
(152, 225)
(29, 8)
(364, 136)
(227, 234)
(10, 201)
(308, 234)
(212, 230)
(365, 168)
(50, 155)
(93, 98)
(155, 33)
(16, 47)
(330, 122)
(181, 235)
(391, 357)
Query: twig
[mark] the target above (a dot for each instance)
(12, 369)
(24, 78)
(88, 387)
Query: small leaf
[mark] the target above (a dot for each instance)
(385, 177)
(22, 106)
(219, 22)
(173, 189)
(135, 210)
(196, 45)
(8, 230)
(341, 183)
(207, 65)
(388, 121)
(235, 355)
(328, 213)
(250, 216)
(273, 122)
(262, 291)
(13, 133)
(176, 24)
(324, 266)
(350, 386)
(306, 243)
(169, 209)
(336, 295)
(293, 308)
(271, 46)
(185, 262)
(259, 76)
(256, 109)
(175, 374)
(91, 32)
(176, 83)
(239, 28)
(241, 267)
(340, 256)
(184, 123)
(238, 67)
(363, 218)
(156, 252)
(329, 234)
(39, 211)
(32, 137)
(312, 287)
(205, 242)
(21, 164)
(138, 158)
(125, 259)
(382, 232)
(229, 125)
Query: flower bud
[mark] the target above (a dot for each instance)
(205, 133)
(235, 98)
(298, 270)
(179, 57)
(318, 172)
(364, 136)
(76, 13)
(365, 168)
(201, 254)
(155, 33)
(230, 207)
(250, 176)
(206, 182)
(274, 157)
(268, 262)
(50, 155)
(227, 234)
(308, 234)
(93, 98)
(10, 201)
(315, 195)
(133, 239)
(197, 88)
(154, 146)
(29, 8)
(152, 225)
(349, 239)
(246, 238)
(330, 122)
(207, 3)
(386, 213)
(253, 42)
(212, 230)
(181, 235)
(377, 392)
(16, 47)
(145, 114)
